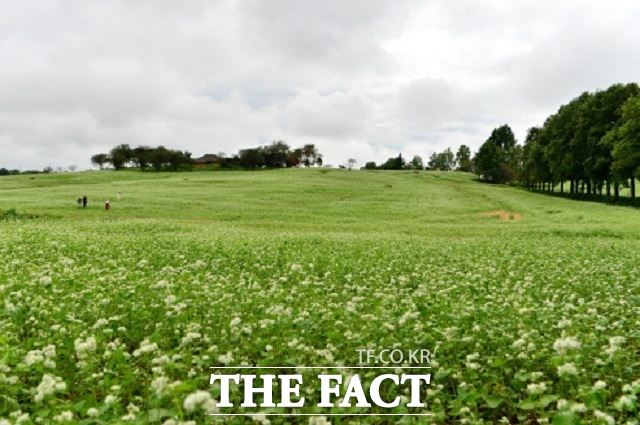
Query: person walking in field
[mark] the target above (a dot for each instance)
(107, 205)
(79, 202)
(84, 201)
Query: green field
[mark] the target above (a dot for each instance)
(531, 315)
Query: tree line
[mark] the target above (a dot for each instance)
(276, 155)
(143, 157)
(591, 145)
(443, 161)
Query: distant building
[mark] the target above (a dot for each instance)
(208, 159)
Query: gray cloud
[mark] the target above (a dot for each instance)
(363, 79)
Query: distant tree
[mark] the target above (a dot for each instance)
(310, 155)
(251, 158)
(370, 165)
(396, 163)
(498, 159)
(4, 172)
(626, 137)
(158, 157)
(351, 162)
(100, 160)
(72, 168)
(120, 156)
(463, 159)
(177, 160)
(141, 156)
(416, 163)
(276, 154)
(488, 162)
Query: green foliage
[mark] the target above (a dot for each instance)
(123, 313)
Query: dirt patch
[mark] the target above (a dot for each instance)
(503, 215)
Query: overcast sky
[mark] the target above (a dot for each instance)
(359, 78)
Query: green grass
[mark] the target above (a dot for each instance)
(304, 267)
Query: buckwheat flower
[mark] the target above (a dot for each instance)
(579, 407)
(93, 412)
(562, 404)
(606, 418)
(235, 322)
(319, 420)
(193, 400)
(33, 357)
(564, 323)
(145, 347)
(83, 348)
(599, 385)
(625, 402)
(226, 358)
(518, 343)
(617, 340)
(535, 389)
(47, 386)
(109, 399)
(65, 416)
(562, 345)
(567, 369)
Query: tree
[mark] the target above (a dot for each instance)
(416, 163)
(463, 158)
(498, 159)
(120, 156)
(370, 165)
(488, 162)
(158, 157)
(251, 158)
(276, 154)
(100, 160)
(626, 151)
(396, 163)
(351, 162)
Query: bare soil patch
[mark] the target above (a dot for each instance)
(503, 215)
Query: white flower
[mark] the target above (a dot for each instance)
(617, 340)
(567, 369)
(599, 385)
(84, 347)
(47, 386)
(534, 389)
(235, 322)
(193, 400)
(145, 347)
(562, 345)
(109, 399)
(601, 415)
(93, 412)
(65, 416)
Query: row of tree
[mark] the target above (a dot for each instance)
(276, 155)
(592, 143)
(123, 156)
(443, 161)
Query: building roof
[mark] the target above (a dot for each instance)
(207, 159)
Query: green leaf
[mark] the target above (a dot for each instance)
(527, 405)
(566, 418)
(493, 401)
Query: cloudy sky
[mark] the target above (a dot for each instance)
(359, 78)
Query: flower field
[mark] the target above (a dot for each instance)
(118, 318)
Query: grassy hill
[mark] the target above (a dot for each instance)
(312, 200)
(528, 303)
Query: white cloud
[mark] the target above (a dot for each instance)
(364, 78)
